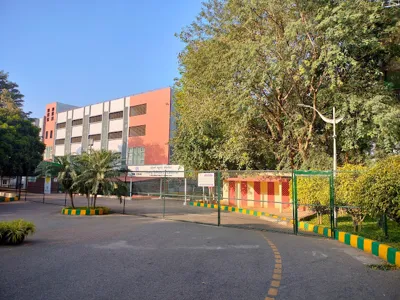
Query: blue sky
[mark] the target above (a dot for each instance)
(83, 52)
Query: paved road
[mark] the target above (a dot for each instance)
(173, 209)
(131, 257)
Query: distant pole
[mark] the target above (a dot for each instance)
(185, 191)
(130, 188)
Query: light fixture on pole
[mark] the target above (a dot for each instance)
(333, 121)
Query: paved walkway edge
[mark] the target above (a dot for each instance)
(8, 199)
(387, 253)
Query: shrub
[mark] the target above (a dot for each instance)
(14, 232)
(313, 192)
(347, 189)
(380, 188)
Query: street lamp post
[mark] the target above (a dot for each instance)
(332, 121)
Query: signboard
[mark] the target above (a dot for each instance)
(175, 171)
(47, 185)
(31, 179)
(205, 179)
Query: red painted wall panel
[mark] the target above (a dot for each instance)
(271, 195)
(257, 191)
(285, 194)
(232, 200)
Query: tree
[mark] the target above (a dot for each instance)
(20, 147)
(347, 188)
(11, 88)
(248, 64)
(100, 173)
(380, 188)
(64, 167)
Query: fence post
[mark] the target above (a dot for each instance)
(123, 208)
(294, 202)
(163, 194)
(332, 204)
(219, 196)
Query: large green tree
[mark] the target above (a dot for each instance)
(248, 64)
(10, 88)
(20, 147)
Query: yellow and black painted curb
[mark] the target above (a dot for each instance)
(243, 211)
(387, 253)
(9, 199)
(82, 211)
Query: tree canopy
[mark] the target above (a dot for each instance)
(20, 147)
(11, 90)
(248, 64)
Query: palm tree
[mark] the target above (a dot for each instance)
(100, 173)
(64, 167)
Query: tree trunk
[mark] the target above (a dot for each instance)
(71, 196)
(319, 219)
(94, 201)
(88, 200)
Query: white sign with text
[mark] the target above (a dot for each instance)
(175, 171)
(205, 179)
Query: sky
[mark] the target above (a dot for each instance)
(83, 52)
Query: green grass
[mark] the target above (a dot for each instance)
(370, 229)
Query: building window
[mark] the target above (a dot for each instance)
(5, 181)
(47, 135)
(116, 115)
(52, 118)
(48, 110)
(95, 119)
(49, 152)
(77, 122)
(61, 125)
(48, 114)
(137, 130)
(115, 135)
(60, 142)
(95, 137)
(51, 134)
(138, 110)
(77, 139)
(47, 119)
(52, 109)
(136, 156)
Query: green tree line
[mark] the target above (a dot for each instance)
(248, 64)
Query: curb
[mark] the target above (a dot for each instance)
(241, 211)
(82, 212)
(385, 252)
(9, 199)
